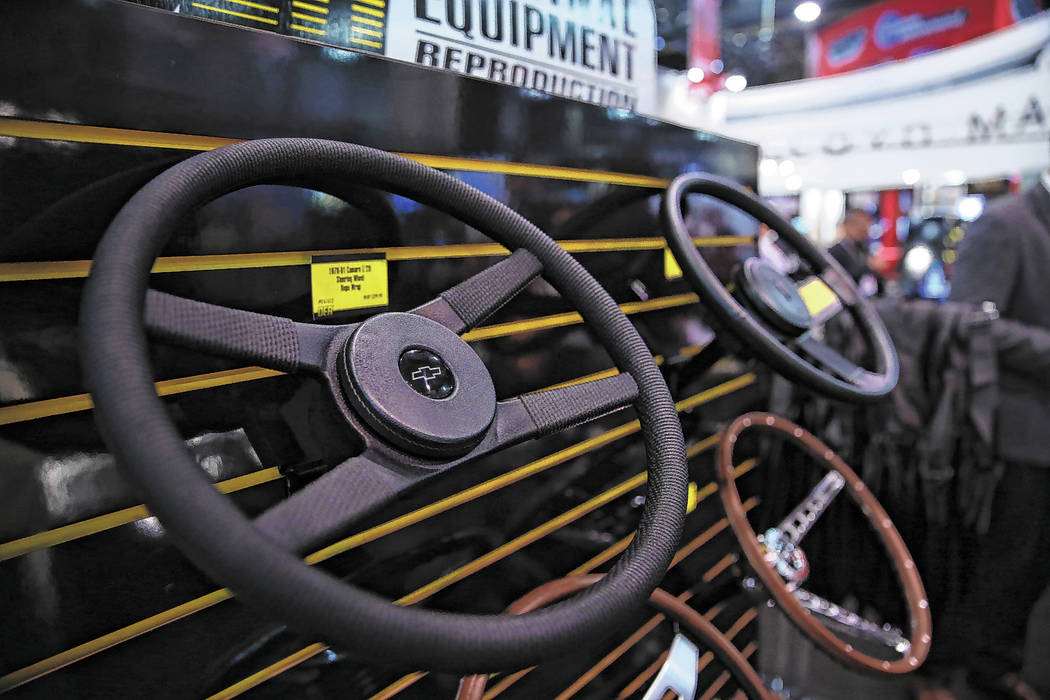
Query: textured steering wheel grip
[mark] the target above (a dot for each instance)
(222, 541)
(742, 324)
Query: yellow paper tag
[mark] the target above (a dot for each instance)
(817, 295)
(672, 270)
(694, 497)
(348, 282)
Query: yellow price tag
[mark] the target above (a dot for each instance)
(817, 295)
(348, 282)
(672, 270)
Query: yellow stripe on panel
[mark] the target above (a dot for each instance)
(242, 15)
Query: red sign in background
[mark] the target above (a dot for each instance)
(902, 28)
(705, 29)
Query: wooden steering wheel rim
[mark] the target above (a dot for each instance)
(903, 564)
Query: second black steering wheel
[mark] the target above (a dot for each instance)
(768, 313)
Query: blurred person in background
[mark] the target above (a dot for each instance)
(852, 251)
(1005, 259)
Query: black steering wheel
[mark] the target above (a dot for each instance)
(774, 316)
(417, 395)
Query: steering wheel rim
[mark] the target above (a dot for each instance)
(920, 635)
(753, 334)
(473, 687)
(217, 537)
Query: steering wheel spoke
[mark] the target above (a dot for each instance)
(470, 302)
(799, 521)
(836, 363)
(271, 341)
(564, 407)
(329, 505)
(544, 412)
(835, 616)
(839, 282)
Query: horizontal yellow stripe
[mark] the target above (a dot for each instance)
(722, 564)
(257, 6)
(368, 10)
(366, 42)
(522, 541)
(499, 330)
(91, 526)
(308, 6)
(68, 269)
(308, 18)
(265, 20)
(33, 410)
(374, 3)
(553, 172)
(311, 30)
(365, 20)
(56, 131)
(80, 133)
(275, 669)
(400, 684)
(367, 32)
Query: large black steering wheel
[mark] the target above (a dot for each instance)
(768, 313)
(417, 395)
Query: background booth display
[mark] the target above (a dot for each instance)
(100, 600)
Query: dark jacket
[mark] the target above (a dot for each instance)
(1005, 258)
(852, 256)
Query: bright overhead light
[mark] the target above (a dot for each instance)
(736, 82)
(768, 167)
(910, 176)
(787, 167)
(695, 74)
(917, 261)
(955, 177)
(807, 11)
(793, 183)
(968, 208)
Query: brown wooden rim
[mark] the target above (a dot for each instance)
(473, 687)
(903, 564)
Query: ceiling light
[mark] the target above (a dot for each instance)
(968, 208)
(955, 177)
(917, 261)
(793, 183)
(767, 167)
(807, 11)
(910, 176)
(695, 74)
(787, 167)
(736, 82)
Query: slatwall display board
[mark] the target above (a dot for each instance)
(97, 97)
